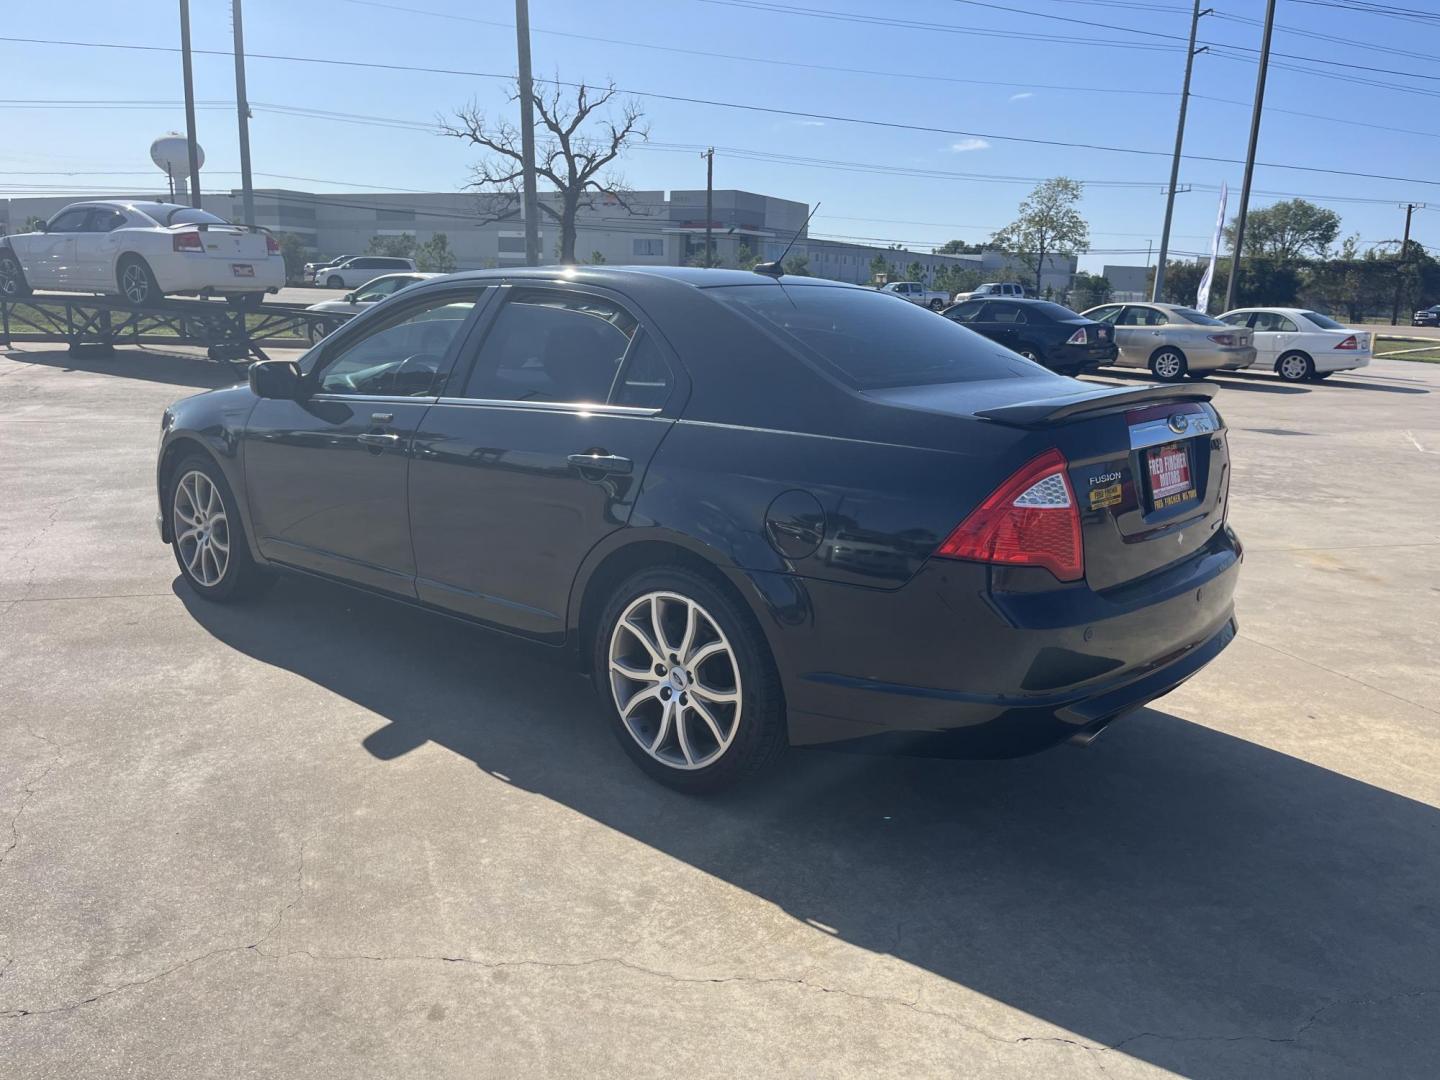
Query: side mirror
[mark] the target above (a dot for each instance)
(44, 226)
(275, 379)
(349, 298)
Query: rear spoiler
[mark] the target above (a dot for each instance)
(1102, 399)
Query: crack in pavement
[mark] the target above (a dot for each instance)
(1339, 674)
(254, 946)
(27, 791)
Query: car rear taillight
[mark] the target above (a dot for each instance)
(1224, 339)
(1349, 343)
(1030, 520)
(272, 246)
(1079, 337)
(187, 241)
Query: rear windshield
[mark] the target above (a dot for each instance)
(873, 340)
(1323, 321)
(1199, 317)
(188, 215)
(1058, 312)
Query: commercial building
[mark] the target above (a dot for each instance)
(641, 228)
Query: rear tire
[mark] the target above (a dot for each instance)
(207, 535)
(136, 282)
(13, 285)
(936, 305)
(696, 704)
(1168, 364)
(333, 282)
(1030, 354)
(1295, 367)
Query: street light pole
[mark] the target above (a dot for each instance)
(1190, 53)
(1250, 154)
(192, 146)
(530, 204)
(242, 109)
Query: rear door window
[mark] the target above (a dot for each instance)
(1001, 312)
(870, 340)
(560, 345)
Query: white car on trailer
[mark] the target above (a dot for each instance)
(142, 251)
(1301, 345)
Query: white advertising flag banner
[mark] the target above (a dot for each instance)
(1202, 295)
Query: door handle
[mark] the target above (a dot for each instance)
(376, 438)
(381, 417)
(601, 463)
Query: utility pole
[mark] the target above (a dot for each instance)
(1190, 53)
(1250, 154)
(1409, 209)
(709, 156)
(530, 205)
(242, 109)
(193, 147)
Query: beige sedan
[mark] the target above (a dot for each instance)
(1174, 341)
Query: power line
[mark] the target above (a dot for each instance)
(764, 109)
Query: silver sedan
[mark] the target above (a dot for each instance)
(1174, 341)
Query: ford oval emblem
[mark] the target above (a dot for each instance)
(1179, 423)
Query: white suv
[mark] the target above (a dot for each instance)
(142, 251)
(352, 273)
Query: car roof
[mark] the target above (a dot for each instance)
(696, 276)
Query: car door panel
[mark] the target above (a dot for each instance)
(52, 253)
(501, 516)
(327, 475)
(537, 455)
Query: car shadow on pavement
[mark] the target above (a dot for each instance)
(172, 368)
(1198, 901)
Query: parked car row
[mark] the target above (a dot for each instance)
(353, 271)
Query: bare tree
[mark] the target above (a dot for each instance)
(571, 159)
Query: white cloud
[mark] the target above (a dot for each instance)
(1025, 96)
(811, 123)
(964, 146)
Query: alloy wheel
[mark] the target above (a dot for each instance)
(135, 283)
(1169, 365)
(9, 276)
(675, 680)
(201, 528)
(1293, 368)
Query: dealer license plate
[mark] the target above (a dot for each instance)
(1171, 481)
(242, 269)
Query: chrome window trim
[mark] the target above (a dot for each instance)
(550, 406)
(1158, 431)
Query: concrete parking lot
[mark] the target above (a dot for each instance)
(323, 836)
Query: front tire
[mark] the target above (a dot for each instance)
(136, 282)
(13, 285)
(688, 682)
(1295, 367)
(207, 535)
(1168, 364)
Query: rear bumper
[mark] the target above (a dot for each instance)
(952, 668)
(1220, 358)
(185, 273)
(1074, 359)
(1337, 362)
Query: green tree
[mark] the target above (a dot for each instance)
(32, 223)
(295, 252)
(915, 272)
(434, 255)
(597, 258)
(1049, 224)
(745, 259)
(881, 268)
(401, 246)
(959, 247)
(1088, 290)
(798, 266)
(1182, 281)
(575, 146)
(1286, 232)
(957, 279)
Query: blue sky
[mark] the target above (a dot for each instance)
(1011, 69)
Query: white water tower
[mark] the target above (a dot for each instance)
(171, 152)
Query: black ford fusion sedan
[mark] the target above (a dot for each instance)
(1049, 334)
(760, 512)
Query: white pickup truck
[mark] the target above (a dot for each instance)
(917, 293)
